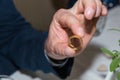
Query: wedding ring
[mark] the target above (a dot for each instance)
(75, 42)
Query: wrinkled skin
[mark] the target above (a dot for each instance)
(80, 19)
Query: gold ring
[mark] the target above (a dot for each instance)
(75, 42)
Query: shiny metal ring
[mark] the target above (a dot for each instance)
(75, 42)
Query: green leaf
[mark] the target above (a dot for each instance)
(108, 52)
(118, 76)
(114, 64)
(116, 53)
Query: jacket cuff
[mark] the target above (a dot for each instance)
(54, 62)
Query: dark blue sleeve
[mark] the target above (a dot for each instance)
(21, 47)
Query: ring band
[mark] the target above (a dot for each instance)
(75, 42)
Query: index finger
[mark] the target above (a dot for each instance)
(70, 21)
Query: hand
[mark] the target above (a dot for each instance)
(80, 19)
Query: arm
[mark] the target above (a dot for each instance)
(22, 47)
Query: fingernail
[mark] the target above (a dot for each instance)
(89, 13)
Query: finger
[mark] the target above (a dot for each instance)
(104, 11)
(99, 8)
(90, 9)
(78, 7)
(68, 20)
